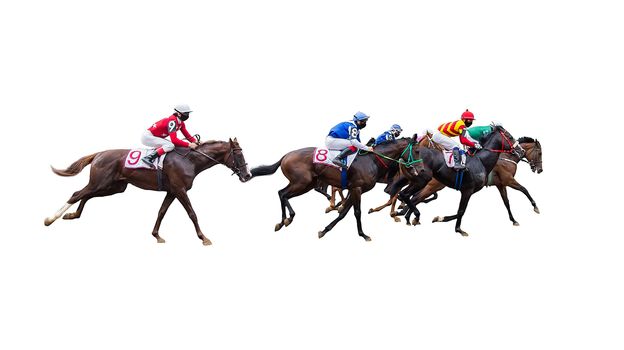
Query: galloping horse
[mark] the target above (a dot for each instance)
(363, 174)
(502, 176)
(474, 177)
(109, 176)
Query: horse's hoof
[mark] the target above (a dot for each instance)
(408, 223)
(397, 219)
(462, 232)
(415, 222)
(278, 226)
(160, 240)
(328, 209)
(366, 238)
(206, 242)
(437, 219)
(321, 234)
(287, 221)
(516, 223)
(371, 211)
(69, 216)
(48, 221)
(536, 210)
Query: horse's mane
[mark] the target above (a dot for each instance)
(526, 139)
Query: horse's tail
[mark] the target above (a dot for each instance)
(76, 167)
(266, 169)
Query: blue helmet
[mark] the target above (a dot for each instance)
(396, 127)
(360, 116)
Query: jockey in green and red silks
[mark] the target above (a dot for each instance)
(155, 135)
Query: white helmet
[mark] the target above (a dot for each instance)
(182, 109)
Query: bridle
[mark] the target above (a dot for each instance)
(410, 158)
(512, 146)
(236, 168)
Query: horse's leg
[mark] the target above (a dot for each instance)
(322, 189)
(161, 213)
(292, 190)
(388, 203)
(357, 211)
(516, 186)
(463, 203)
(431, 188)
(503, 192)
(99, 185)
(332, 201)
(432, 198)
(393, 212)
(112, 189)
(341, 214)
(340, 204)
(186, 203)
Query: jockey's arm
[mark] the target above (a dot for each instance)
(360, 145)
(465, 139)
(176, 141)
(186, 134)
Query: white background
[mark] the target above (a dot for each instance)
(80, 77)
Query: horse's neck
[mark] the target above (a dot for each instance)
(529, 151)
(488, 157)
(393, 153)
(213, 153)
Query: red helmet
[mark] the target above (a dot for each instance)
(467, 115)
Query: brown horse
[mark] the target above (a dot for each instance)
(109, 176)
(502, 176)
(362, 176)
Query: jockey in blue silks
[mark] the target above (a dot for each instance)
(389, 135)
(346, 137)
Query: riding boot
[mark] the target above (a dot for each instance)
(457, 159)
(338, 160)
(149, 159)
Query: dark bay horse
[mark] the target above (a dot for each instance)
(109, 176)
(502, 176)
(477, 169)
(363, 174)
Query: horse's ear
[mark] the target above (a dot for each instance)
(230, 140)
(415, 137)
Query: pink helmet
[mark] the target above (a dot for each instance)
(467, 115)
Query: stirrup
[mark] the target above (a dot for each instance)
(150, 164)
(339, 163)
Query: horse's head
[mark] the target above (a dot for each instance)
(410, 158)
(533, 153)
(236, 161)
(506, 143)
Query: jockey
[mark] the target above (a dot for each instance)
(346, 137)
(452, 129)
(155, 136)
(389, 135)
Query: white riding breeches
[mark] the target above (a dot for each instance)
(154, 141)
(340, 144)
(446, 142)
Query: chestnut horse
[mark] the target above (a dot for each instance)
(365, 171)
(109, 176)
(502, 176)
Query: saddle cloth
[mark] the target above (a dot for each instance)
(325, 156)
(448, 158)
(133, 159)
